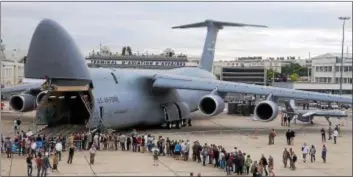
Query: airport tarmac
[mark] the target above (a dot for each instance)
(225, 130)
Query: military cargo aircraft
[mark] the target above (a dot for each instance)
(75, 94)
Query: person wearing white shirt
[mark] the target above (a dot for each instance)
(96, 140)
(221, 159)
(305, 150)
(15, 126)
(335, 134)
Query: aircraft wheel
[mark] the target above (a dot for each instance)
(178, 124)
(169, 125)
(189, 123)
(184, 124)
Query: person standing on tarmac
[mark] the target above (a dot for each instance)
(323, 135)
(155, 153)
(92, 154)
(71, 154)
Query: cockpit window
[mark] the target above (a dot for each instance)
(114, 77)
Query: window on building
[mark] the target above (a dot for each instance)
(337, 68)
(8, 72)
(325, 68)
(329, 68)
(329, 80)
(317, 69)
(345, 68)
(349, 80)
(349, 68)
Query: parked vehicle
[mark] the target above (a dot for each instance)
(313, 104)
(333, 106)
(346, 106)
(324, 105)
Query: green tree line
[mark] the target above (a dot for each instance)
(293, 70)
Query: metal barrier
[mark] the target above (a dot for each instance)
(250, 132)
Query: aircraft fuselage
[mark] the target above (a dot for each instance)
(129, 99)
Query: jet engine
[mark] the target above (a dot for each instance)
(40, 96)
(22, 103)
(211, 105)
(266, 110)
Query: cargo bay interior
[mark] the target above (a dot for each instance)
(65, 107)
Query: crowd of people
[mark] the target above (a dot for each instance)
(46, 151)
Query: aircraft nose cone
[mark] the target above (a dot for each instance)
(54, 54)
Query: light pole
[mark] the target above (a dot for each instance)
(341, 68)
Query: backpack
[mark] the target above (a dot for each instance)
(295, 158)
(205, 152)
(155, 152)
(39, 162)
(253, 169)
(18, 122)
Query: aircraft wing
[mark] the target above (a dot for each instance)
(17, 89)
(310, 113)
(192, 83)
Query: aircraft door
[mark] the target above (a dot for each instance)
(101, 112)
(171, 112)
(165, 113)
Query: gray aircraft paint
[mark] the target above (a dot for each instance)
(137, 96)
(308, 115)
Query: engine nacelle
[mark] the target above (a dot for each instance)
(40, 96)
(266, 111)
(211, 105)
(23, 102)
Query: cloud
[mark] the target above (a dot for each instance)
(296, 28)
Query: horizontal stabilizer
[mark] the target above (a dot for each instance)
(218, 24)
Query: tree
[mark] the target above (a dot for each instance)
(294, 77)
(271, 73)
(294, 68)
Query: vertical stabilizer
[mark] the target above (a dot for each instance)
(213, 27)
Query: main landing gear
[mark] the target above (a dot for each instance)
(328, 120)
(178, 124)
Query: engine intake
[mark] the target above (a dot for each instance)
(266, 110)
(40, 96)
(211, 105)
(22, 103)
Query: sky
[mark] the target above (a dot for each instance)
(295, 28)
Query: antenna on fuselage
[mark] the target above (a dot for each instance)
(213, 27)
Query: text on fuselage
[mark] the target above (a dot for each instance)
(112, 99)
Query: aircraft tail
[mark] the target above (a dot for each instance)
(213, 27)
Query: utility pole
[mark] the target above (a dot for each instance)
(307, 65)
(341, 68)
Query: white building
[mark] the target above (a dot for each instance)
(326, 68)
(274, 63)
(12, 72)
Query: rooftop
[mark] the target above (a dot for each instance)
(333, 55)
